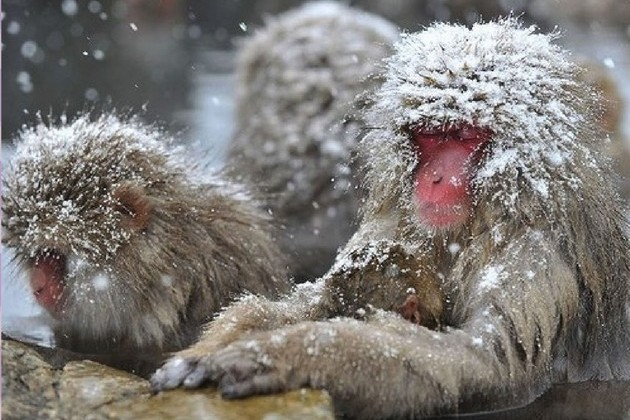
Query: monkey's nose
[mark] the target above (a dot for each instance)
(436, 178)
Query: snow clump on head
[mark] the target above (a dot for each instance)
(496, 75)
(492, 75)
(59, 189)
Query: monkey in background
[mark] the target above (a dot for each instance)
(296, 80)
(600, 79)
(484, 163)
(129, 246)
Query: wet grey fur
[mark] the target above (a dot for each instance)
(537, 292)
(296, 81)
(128, 291)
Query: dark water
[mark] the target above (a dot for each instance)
(582, 401)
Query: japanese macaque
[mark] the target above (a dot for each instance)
(296, 80)
(383, 276)
(484, 163)
(601, 80)
(130, 247)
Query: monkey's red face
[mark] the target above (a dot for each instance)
(47, 280)
(448, 160)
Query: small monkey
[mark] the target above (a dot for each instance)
(129, 246)
(296, 81)
(600, 79)
(383, 276)
(485, 164)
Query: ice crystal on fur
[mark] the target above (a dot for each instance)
(57, 167)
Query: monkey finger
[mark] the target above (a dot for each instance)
(201, 374)
(268, 383)
(234, 366)
(172, 374)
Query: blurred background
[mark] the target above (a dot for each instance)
(172, 61)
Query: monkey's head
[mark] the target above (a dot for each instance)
(81, 204)
(296, 80)
(485, 117)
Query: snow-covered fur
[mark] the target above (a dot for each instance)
(297, 79)
(154, 246)
(536, 282)
(544, 170)
(544, 174)
(497, 75)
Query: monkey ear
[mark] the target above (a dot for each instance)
(134, 205)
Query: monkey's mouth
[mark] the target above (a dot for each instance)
(47, 274)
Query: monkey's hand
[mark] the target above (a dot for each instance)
(243, 368)
(260, 364)
(356, 362)
(387, 369)
(250, 315)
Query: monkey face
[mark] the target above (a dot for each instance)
(48, 270)
(498, 78)
(448, 159)
(60, 272)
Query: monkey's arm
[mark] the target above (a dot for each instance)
(257, 313)
(500, 356)
(308, 301)
(248, 315)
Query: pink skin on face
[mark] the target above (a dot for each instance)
(46, 278)
(447, 160)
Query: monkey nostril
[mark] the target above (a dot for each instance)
(436, 178)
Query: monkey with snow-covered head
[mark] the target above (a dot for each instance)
(296, 81)
(485, 167)
(130, 247)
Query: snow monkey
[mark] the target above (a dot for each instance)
(484, 164)
(296, 80)
(601, 79)
(382, 276)
(130, 247)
